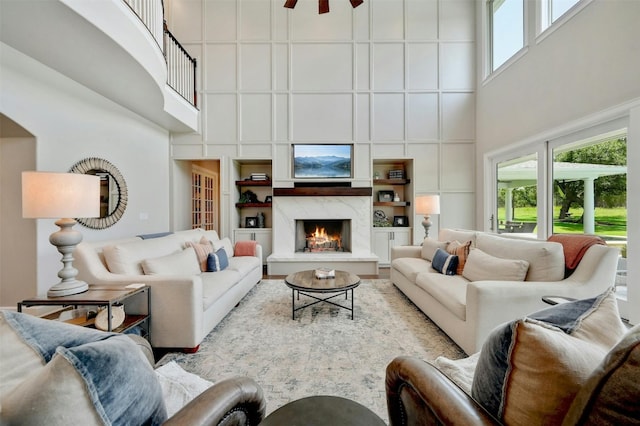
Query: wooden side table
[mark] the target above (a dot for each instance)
(101, 296)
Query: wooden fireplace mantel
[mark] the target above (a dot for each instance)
(320, 191)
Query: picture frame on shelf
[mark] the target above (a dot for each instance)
(250, 222)
(268, 199)
(385, 196)
(400, 221)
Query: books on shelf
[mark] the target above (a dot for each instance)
(259, 176)
(325, 273)
(396, 174)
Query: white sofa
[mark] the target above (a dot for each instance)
(468, 310)
(186, 304)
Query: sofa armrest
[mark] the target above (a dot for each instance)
(234, 401)
(419, 394)
(176, 306)
(406, 251)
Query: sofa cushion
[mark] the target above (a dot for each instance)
(224, 243)
(462, 251)
(449, 290)
(530, 369)
(216, 284)
(202, 249)
(429, 247)
(126, 258)
(90, 377)
(481, 266)
(458, 235)
(601, 400)
(410, 267)
(244, 264)
(184, 262)
(444, 262)
(546, 259)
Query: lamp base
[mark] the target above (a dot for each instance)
(66, 240)
(426, 223)
(67, 288)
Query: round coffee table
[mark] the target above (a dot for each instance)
(323, 411)
(305, 282)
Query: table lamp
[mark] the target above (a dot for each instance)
(427, 205)
(62, 196)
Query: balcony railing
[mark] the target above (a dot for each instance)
(181, 67)
(181, 75)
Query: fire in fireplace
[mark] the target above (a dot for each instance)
(323, 235)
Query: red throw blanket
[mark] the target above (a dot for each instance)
(575, 246)
(245, 248)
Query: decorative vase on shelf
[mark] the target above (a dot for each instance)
(260, 220)
(396, 197)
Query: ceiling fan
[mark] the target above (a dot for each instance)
(323, 5)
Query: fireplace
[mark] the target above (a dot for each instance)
(355, 210)
(323, 235)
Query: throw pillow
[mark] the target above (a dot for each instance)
(444, 262)
(429, 247)
(530, 370)
(481, 266)
(217, 261)
(179, 387)
(245, 248)
(90, 377)
(184, 262)
(224, 243)
(202, 249)
(462, 251)
(610, 396)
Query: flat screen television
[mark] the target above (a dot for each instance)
(322, 161)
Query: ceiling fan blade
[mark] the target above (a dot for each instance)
(323, 6)
(356, 3)
(290, 3)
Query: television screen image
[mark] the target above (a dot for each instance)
(322, 160)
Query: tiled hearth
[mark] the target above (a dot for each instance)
(287, 209)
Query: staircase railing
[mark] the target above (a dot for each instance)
(181, 67)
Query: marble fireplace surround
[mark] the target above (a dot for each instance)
(291, 204)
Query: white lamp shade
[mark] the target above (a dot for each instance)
(428, 204)
(60, 195)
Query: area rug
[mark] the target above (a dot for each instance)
(322, 351)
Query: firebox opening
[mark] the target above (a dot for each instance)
(323, 235)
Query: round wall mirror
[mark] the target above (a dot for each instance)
(113, 192)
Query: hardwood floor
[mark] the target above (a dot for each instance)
(382, 274)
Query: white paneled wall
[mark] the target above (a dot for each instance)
(394, 76)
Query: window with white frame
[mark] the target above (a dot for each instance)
(506, 30)
(552, 10)
(573, 184)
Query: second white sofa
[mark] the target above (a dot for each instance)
(468, 307)
(186, 303)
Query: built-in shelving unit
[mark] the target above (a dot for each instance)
(393, 218)
(246, 212)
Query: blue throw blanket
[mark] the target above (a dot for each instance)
(120, 382)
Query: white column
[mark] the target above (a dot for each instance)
(508, 205)
(589, 207)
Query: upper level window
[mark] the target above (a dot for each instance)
(552, 10)
(506, 30)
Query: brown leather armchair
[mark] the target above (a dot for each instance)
(232, 402)
(419, 394)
